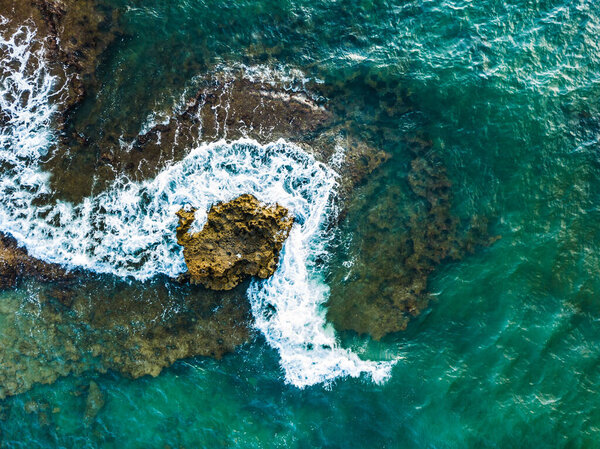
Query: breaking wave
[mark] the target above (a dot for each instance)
(128, 230)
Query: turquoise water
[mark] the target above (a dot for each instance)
(507, 354)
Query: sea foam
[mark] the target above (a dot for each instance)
(128, 230)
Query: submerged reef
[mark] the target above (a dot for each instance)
(102, 323)
(81, 322)
(15, 264)
(241, 238)
(78, 322)
(227, 105)
(391, 263)
(231, 105)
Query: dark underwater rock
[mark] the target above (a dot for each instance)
(15, 263)
(399, 249)
(227, 106)
(230, 106)
(131, 328)
(241, 238)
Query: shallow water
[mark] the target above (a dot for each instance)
(507, 353)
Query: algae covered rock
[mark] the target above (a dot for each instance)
(112, 324)
(241, 238)
(399, 248)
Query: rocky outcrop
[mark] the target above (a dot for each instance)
(15, 263)
(138, 330)
(78, 32)
(241, 238)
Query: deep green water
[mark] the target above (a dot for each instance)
(508, 354)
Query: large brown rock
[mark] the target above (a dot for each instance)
(241, 238)
(400, 247)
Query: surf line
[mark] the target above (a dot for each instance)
(128, 230)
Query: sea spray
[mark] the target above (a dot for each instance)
(128, 230)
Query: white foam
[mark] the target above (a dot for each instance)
(129, 229)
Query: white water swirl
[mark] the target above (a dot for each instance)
(128, 230)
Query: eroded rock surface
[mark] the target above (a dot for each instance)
(241, 238)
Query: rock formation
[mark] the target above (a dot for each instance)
(227, 106)
(16, 263)
(241, 238)
(75, 33)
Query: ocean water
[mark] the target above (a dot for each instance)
(507, 353)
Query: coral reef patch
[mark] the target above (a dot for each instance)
(103, 323)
